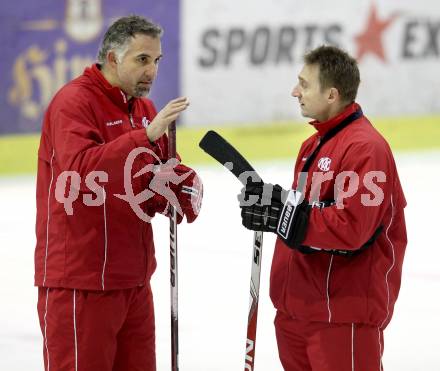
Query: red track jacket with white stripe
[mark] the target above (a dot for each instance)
(339, 289)
(89, 126)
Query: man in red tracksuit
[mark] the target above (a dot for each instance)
(338, 257)
(102, 144)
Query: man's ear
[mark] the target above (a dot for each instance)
(112, 59)
(333, 95)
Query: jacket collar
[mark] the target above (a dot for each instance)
(324, 127)
(116, 95)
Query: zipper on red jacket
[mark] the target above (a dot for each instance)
(130, 115)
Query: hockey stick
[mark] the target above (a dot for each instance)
(173, 263)
(217, 147)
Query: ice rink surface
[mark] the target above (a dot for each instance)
(214, 273)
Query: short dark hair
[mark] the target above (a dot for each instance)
(336, 69)
(122, 30)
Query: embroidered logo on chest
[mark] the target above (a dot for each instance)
(324, 163)
(113, 123)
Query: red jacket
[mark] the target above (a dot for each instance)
(330, 288)
(87, 127)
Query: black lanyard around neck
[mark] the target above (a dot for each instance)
(330, 134)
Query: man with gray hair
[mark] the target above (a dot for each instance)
(95, 252)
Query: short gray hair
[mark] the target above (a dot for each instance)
(121, 31)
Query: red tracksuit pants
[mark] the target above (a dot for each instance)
(97, 330)
(320, 346)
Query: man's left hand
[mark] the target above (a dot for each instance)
(269, 208)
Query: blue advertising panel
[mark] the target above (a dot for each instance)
(47, 43)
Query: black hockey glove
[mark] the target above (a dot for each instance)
(270, 208)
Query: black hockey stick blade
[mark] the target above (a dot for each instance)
(220, 149)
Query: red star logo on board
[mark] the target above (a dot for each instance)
(370, 40)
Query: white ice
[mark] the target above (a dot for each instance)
(214, 273)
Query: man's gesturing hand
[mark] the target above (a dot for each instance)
(165, 117)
